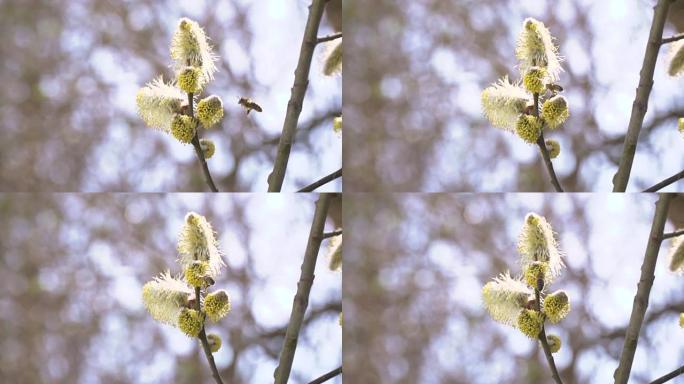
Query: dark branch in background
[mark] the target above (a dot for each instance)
(673, 234)
(545, 344)
(329, 38)
(640, 104)
(301, 299)
(327, 376)
(666, 182)
(294, 106)
(643, 290)
(332, 234)
(198, 149)
(669, 376)
(672, 39)
(545, 153)
(205, 343)
(316, 184)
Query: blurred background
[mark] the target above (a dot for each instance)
(412, 104)
(415, 266)
(73, 267)
(71, 70)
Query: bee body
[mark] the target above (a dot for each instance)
(249, 105)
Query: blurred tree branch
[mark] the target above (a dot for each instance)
(324, 180)
(643, 290)
(327, 376)
(301, 300)
(640, 104)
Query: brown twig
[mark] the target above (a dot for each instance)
(301, 299)
(666, 182)
(332, 234)
(294, 106)
(669, 376)
(327, 376)
(544, 152)
(318, 183)
(329, 37)
(672, 39)
(672, 234)
(640, 104)
(545, 344)
(198, 149)
(205, 344)
(643, 290)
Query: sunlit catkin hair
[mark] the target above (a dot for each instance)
(503, 102)
(676, 255)
(158, 103)
(535, 48)
(335, 253)
(536, 242)
(196, 242)
(165, 297)
(190, 47)
(676, 66)
(504, 297)
(333, 58)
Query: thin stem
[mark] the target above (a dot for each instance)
(318, 183)
(640, 305)
(669, 376)
(327, 376)
(301, 299)
(329, 37)
(640, 104)
(665, 182)
(294, 106)
(544, 152)
(672, 39)
(673, 234)
(545, 344)
(198, 149)
(331, 234)
(205, 343)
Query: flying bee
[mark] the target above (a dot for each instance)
(249, 105)
(554, 88)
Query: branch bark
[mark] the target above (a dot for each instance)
(294, 106)
(545, 343)
(301, 299)
(205, 343)
(669, 376)
(327, 376)
(544, 152)
(640, 104)
(198, 150)
(666, 182)
(643, 290)
(318, 183)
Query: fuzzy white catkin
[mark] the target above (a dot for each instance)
(164, 297)
(537, 243)
(504, 298)
(158, 102)
(196, 241)
(503, 102)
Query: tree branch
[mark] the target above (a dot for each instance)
(332, 234)
(672, 39)
(329, 38)
(327, 376)
(205, 343)
(669, 376)
(544, 152)
(301, 299)
(640, 104)
(665, 182)
(672, 234)
(311, 187)
(643, 290)
(198, 150)
(294, 106)
(544, 342)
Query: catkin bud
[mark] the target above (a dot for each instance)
(555, 111)
(556, 306)
(530, 323)
(534, 80)
(210, 111)
(554, 343)
(214, 342)
(528, 128)
(217, 305)
(208, 148)
(553, 147)
(190, 322)
(189, 79)
(183, 128)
